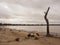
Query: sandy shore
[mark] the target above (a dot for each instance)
(18, 37)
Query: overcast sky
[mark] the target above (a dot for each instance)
(29, 11)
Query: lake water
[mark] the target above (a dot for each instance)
(55, 29)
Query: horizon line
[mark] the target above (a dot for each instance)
(5, 24)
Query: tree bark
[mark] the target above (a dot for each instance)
(47, 21)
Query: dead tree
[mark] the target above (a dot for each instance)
(47, 21)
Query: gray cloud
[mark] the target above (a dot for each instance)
(31, 8)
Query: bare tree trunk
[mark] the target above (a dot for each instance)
(46, 19)
(47, 27)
